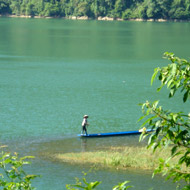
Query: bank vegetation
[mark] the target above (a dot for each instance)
(160, 10)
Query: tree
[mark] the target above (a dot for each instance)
(141, 11)
(165, 6)
(153, 9)
(15, 7)
(38, 7)
(82, 9)
(126, 9)
(30, 9)
(171, 129)
(51, 9)
(119, 7)
(180, 9)
(94, 9)
(12, 175)
(180, 13)
(127, 14)
(4, 7)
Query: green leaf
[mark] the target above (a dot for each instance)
(158, 129)
(29, 177)
(185, 96)
(170, 134)
(175, 116)
(152, 139)
(158, 89)
(169, 83)
(154, 75)
(148, 120)
(174, 67)
(94, 184)
(174, 149)
(80, 186)
(122, 186)
(142, 117)
(155, 103)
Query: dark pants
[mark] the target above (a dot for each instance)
(84, 130)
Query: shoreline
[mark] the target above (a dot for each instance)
(99, 18)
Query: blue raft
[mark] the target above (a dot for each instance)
(114, 133)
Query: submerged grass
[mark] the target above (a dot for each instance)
(117, 157)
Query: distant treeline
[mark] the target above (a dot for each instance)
(125, 9)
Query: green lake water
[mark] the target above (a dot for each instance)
(53, 71)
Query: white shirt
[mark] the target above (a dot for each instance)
(84, 122)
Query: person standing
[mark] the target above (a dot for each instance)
(84, 124)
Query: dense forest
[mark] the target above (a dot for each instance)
(125, 9)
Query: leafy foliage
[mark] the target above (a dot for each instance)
(84, 184)
(92, 185)
(12, 175)
(171, 128)
(126, 9)
(122, 186)
(4, 7)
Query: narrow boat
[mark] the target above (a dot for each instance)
(114, 133)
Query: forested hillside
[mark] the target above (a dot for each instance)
(125, 9)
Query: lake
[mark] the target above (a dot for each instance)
(53, 71)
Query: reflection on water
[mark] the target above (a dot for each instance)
(83, 145)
